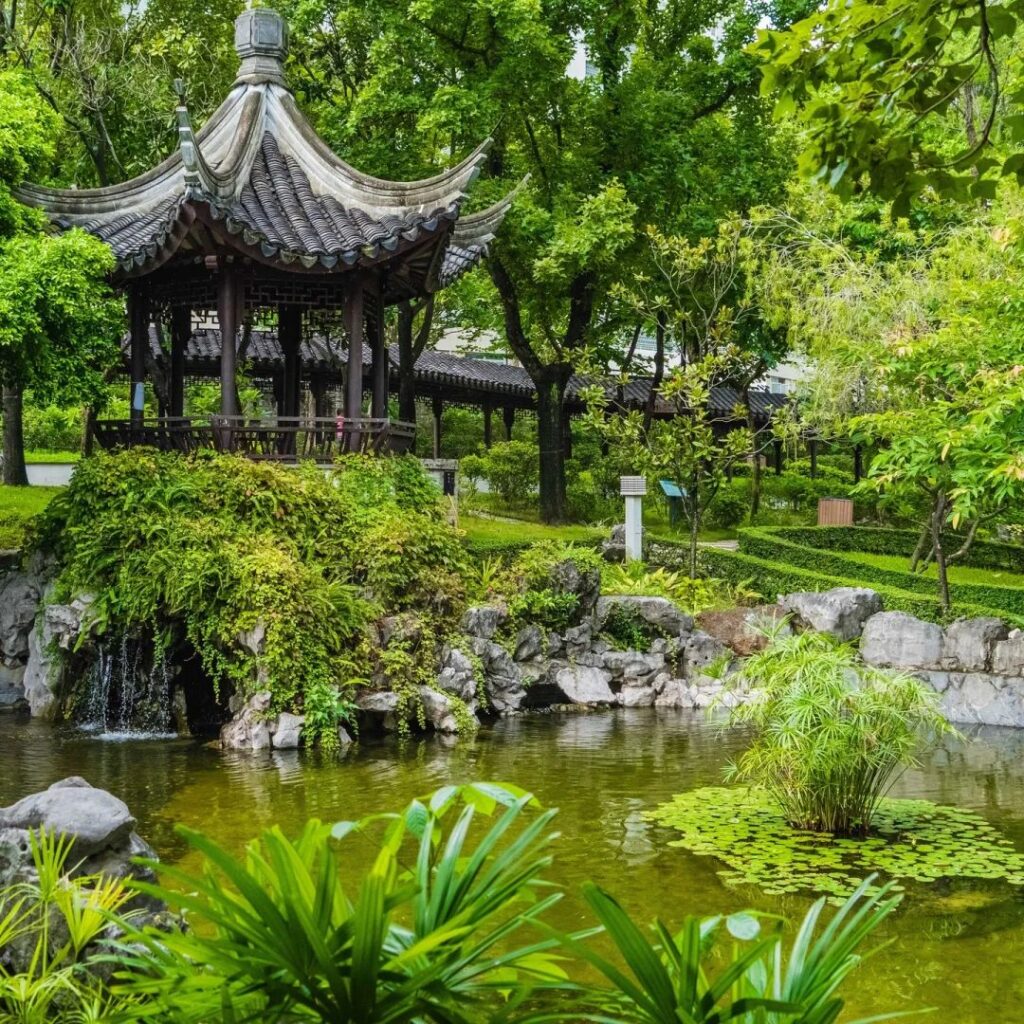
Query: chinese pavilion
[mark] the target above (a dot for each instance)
(253, 220)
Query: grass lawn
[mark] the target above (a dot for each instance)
(486, 533)
(39, 458)
(957, 573)
(17, 506)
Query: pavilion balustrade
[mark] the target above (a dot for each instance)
(278, 438)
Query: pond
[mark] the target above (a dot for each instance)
(957, 948)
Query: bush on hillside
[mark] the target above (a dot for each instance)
(509, 467)
(205, 548)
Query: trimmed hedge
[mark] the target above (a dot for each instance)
(879, 540)
(780, 545)
(772, 578)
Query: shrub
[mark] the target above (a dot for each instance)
(777, 544)
(208, 548)
(52, 428)
(832, 734)
(730, 506)
(510, 467)
(545, 581)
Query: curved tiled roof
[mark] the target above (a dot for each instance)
(258, 172)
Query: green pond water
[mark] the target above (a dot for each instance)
(957, 947)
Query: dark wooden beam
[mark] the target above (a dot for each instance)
(354, 320)
(181, 331)
(289, 333)
(778, 457)
(438, 409)
(487, 424)
(227, 319)
(509, 415)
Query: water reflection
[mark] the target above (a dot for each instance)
(957, 947)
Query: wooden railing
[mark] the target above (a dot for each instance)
(280, 438)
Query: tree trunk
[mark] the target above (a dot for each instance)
(659, 372)
(406, 362)
(551, 438)
(755, 462)
(694, 525)
(938, 522)
(15, 473)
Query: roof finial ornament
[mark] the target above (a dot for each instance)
(261, 40)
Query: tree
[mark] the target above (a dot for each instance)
(694, 447)
(59, 323)
(924, 356)
(667, 128)
(903, 95)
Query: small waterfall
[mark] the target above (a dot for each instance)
(123, 699)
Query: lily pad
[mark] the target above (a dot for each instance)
(914, 840)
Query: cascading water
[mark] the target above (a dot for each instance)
(123, 700)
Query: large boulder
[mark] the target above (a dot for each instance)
(457, 674)
(1008, 655)
(700, 651)
(567, 577)
(969, 642)
(841, 611)
(898, 640)
(250, 727)
(633, 666)
(484, 620)
(530, 643)
(438, 710)
(93, 819)
(286, 731)
(583, 684)
(659, 613)
(503, 678)
(20, 594)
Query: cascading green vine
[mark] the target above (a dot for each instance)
(272, 574)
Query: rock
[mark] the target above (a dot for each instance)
(699, 651)
(503, 679)
(1008, 655)
(841, 611)
(632, 665)
(286, 731)
(898, 640)
(636, 696)
(555, 644)
(566, 578)
(93, 818)
(578, 638)
(64, 624)
(968, 643)
(529, 644)
(458, 674)
(406, 628)
(584, 685)
(484, 620)
(437, 710)
(12, 685)
(381, 702)
(253, 640)
(674, 693)
(249, 729)
(658, 612)
(344, 739)
(20, 594)
(40, 675)
(614, 549)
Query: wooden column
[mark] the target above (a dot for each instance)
(858, 464)
(138, 326)
(487, 425)
(509, 415)
(227, 320)
(778, 457)
(381, 369)
(354, 382)
(438, 407)
(181, 331)
(289, 333)
(812, 451)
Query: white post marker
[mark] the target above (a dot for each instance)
(633, 488)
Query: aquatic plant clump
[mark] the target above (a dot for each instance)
(910, 840)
